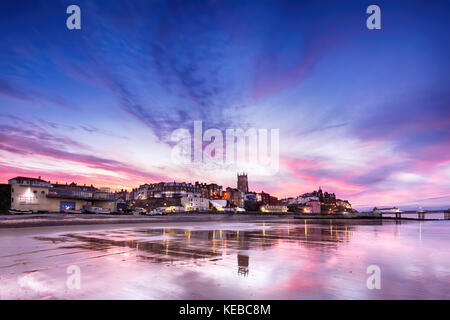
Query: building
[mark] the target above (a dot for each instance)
(312, 206)
(168, 189)
(32, 182)
(74, 186)
(121, 204)
(134, 194)
(264, 198)
(250, 196)
(164, 189)
(234, 196)
(201, 189)
(214, 191)
(242, 182)
(323, 197)
(38, 195)
(386, 210)
(343, 205)
(175, 202)
(251, 202)
(158, 202)
(305, 198)
(123, 194)
(194, 202)
(273, 201)
(328, 202)
(288, 201)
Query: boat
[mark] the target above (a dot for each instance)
(15, 211)
(72, 211)
(91, 209)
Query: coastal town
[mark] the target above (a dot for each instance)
(36, 195)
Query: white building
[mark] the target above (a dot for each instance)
(305, 199)
(192, 201)
(386, 210)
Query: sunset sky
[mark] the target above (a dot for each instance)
(362, 113)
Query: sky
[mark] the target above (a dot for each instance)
(361, 113)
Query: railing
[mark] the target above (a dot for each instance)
(421, 215)
(84, 195)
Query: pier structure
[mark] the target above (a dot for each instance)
(420, 215)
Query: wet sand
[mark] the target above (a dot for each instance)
(246, 258)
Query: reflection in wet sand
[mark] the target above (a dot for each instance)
(165, 245)
(288, 259)
(243, 261)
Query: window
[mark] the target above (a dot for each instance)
(34, 191)
(12, 199)
(42, 192)
(12, 190)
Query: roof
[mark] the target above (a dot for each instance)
(27, 178)
(73, 185)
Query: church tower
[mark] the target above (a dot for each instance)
(242, 183)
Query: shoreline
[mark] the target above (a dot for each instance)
(61, 219)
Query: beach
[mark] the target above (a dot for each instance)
(226, 257)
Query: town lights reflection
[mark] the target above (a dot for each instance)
(175, 245)
(306, 230)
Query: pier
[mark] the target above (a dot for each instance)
(421, 215)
